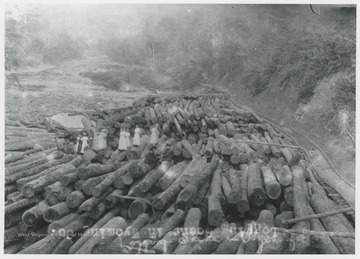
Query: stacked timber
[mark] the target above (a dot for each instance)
(219, 180)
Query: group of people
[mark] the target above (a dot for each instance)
(100, 143)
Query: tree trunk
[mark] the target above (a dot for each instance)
(256, 192)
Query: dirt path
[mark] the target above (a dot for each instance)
(49, 90)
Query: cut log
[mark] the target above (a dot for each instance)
(323, 244)
(282, 173)
(322, 204)
(281, 219)
(199, 196)
(272, 187)
(93, 170)
(90, 183)
(139, 206)
(36, 213)
(58, 194)
(211, 243)
(13, 219)
(329, 176)
(153, 176)
(68, 179)
(215, 212)
(97, 211)
(171, 175)
(64, 246)
(235, 182)
(21, 204)
(62, 222)
(112, 199)
(277, 240)
(209, 148)
(196, 165)
(198, 180)
(302, 242)
(289, 196)
(56, 211)
(243, 204)
(106, 236)
(88, 233)
(90, 203)
(78, 185)
(256, 192)
(37, 185)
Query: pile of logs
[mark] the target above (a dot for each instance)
(220, 180)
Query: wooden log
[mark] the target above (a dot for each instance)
(196, 165)
(57, 194)
(235, 182)
(68, 179)
(331, 178)
(321, 204)
(281, 219)
(10, 188)
(64, 246)
(93, 170)
(225, 186)
(21, 204)
(97, 211)
(230, 129)
(199, 196)
(171, 175)
(14, 248)
(90, 183)
(215, 212)
(282, 173)
(285, 207)
(90, 203)
(302, 242)
(107, 236)
(139, 206)
(115, 197)
(37, 169)
(272, 187)
(276, 243)
(36, 213)
(153, 177)
(323, 244)
(271, 207)
(13, 219)
(274, 150)
(243, 204)
(56, 211)
(88, 233)
(11, 236)
(78, 185)
(209, 148)
(37, 185)
(256, 192)
(62, 222)
(197, 181)
(44, 246)
(210, 244)
(289, 196)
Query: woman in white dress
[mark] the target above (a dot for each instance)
(122, 140)
(128, 141)
(84, 142)
(100, 140)
(154, 135)
(136, 141)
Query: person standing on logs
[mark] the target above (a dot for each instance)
(136, 141)
(151, 158)
(82, 142)
(122, 139)
(154, 134)
(127, 138)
